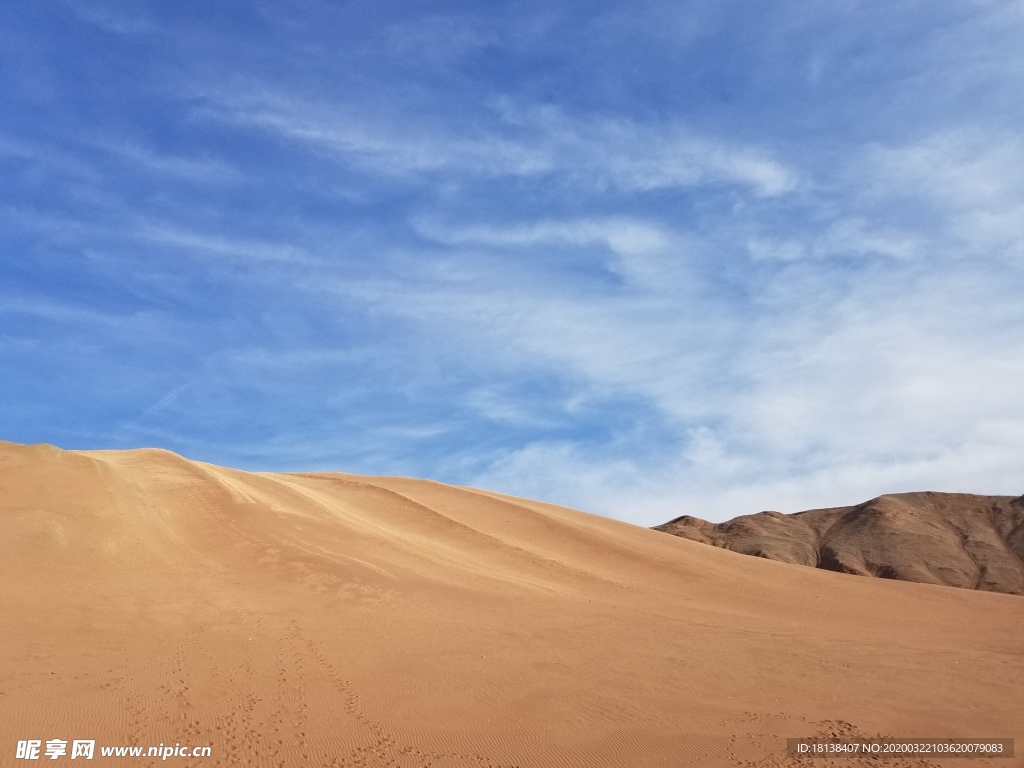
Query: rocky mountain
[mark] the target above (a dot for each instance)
(959, 540)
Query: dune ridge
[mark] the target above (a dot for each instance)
(954, 539)
(339, 620)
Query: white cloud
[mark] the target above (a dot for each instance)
(108, 20)
(847, 237)
(245, 250)
(207, 170)
(974, 178)
(77, 315)
(621, 235)
(501, 405)
(520, 142)
(40, 156)
(638, 252)
(381, 147)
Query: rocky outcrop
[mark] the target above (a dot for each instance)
(959, 540)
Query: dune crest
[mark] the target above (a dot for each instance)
(337, 620)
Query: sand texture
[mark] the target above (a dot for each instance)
(955, 539)
(335, 620)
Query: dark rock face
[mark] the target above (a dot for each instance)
(959, 540)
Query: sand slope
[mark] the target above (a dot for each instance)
(333, 620)
(956, 539)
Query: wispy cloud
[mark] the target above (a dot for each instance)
(623, 236)
(975, 180)
(843, 238)
(71, 314)
(494, 407)
(520, 141)
(115, 21)
(207, 170)
(244, 250)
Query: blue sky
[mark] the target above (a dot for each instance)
(644, 259)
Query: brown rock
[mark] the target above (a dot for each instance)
(954, 539)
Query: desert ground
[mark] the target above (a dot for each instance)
(336, 620)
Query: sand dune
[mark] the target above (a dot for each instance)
(334, 620)
(956, 539)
